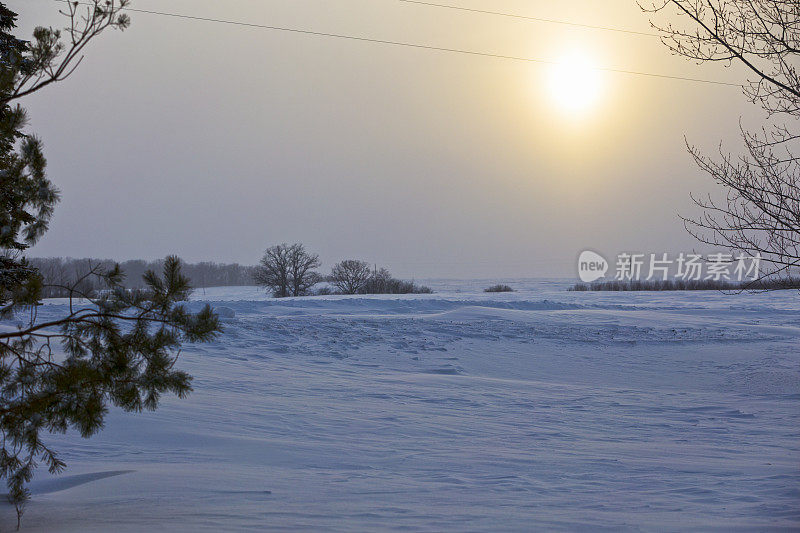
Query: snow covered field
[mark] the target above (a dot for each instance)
(542, 409)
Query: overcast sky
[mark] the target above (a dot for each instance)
(215, 141)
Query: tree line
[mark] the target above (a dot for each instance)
(290, 270)
(285, 270)
(60, 275)
(758, 285)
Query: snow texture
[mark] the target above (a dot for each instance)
(457, 411)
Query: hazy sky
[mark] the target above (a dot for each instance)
(215, 141)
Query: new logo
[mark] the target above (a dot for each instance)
(591, 266)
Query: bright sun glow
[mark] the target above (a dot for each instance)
(575, 84)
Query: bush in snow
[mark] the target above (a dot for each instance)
(382, 282)
(768, 284)
(499, 288)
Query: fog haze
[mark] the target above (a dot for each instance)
(214, 141)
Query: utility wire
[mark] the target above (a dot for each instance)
(416, 45)
(534, 19)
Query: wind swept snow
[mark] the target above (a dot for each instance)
(458, 410)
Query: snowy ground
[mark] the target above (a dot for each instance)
(541, 409)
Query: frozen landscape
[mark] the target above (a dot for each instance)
(459, 410)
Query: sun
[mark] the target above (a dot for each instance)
(575, 84)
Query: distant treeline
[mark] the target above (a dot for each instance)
(59, 273)
(766, 284)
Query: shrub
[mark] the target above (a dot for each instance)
(499, 288)
(354, 277)
(766, 284)
(382, 282)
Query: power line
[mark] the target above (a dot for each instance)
(534, 19)
(417, 46)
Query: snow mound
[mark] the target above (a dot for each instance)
(453, 411)
(225, 312)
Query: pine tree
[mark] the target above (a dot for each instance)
(118, 347)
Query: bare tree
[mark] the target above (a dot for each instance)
(273, 270)
(287, 270)
(50, 58)
(301, 269)
(760, 213)
(351, 276)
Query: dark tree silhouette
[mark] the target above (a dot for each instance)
(287, 270)
(273, 271)
(301, 269)
(760, 212)
(351, 276)
(49, 58)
